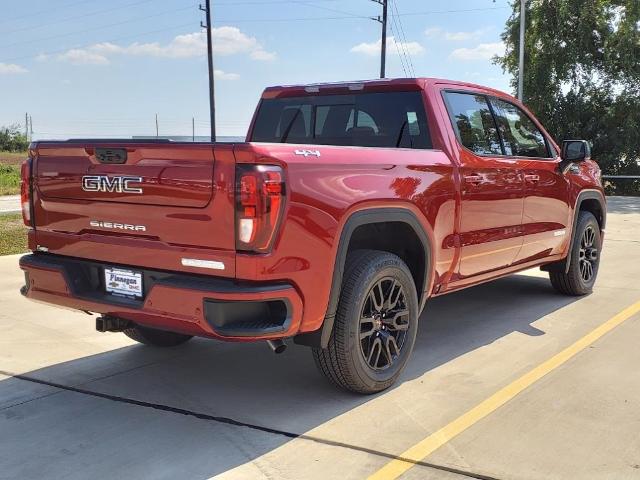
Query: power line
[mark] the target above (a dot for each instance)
(285, 20)
(400, 55)
(405, 43)
(328, 9)
(57, 9)
(400, 46)
(112, 40)
(100, 27)
(423, 13)
(84, 15)
(271, 2)
(261, 20)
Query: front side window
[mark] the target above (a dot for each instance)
(391, 119)
(473, 122)
(519, 134)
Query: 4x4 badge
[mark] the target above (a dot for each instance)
(306, 153)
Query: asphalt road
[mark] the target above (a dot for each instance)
(75, 403)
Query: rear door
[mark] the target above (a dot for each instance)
(546, 211)
(492, 188)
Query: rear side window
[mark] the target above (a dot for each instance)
(473, 122)
(519, 134)
(393, 119)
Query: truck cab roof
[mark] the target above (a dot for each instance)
(372, 85)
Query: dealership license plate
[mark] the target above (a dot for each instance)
(125, 283)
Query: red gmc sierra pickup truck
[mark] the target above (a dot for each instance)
(349, 206)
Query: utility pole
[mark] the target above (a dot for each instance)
(156, 125)
(193, 129)
(212, 102)
(30, 128)
(383, 43)
(523, 10)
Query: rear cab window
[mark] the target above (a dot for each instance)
(388, 119)
(473, 122)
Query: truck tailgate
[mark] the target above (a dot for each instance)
(136, 203)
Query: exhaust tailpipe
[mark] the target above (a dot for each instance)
(278, 346)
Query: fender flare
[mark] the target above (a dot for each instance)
(565, 264)
(320, 337)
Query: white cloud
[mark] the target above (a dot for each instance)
(11, 69)
(373, 49)
(222, 75)
(483, 51)
(226, 41)
(262, 55)
(77, 56)
(437, 32)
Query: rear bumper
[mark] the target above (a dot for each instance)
(193, 304)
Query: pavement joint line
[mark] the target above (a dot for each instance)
(88, 382)
(237, 423)
(415, 454)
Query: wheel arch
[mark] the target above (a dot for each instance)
(354, 235)
(591, 201)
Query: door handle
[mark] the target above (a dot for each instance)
(532, 178)
(473, 179)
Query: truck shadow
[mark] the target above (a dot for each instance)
(75, 435)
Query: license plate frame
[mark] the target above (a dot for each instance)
(123, 282)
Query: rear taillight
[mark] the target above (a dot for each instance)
(25, 192)
(260, 198)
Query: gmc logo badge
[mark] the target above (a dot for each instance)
(104, 183)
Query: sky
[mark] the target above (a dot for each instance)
(90, 68)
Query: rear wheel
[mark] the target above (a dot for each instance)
(375, 326)
(157, 338)
(585, 259)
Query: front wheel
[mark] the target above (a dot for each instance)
(584, 261)
(375, 326)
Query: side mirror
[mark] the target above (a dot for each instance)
(575, 151)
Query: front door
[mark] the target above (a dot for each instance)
(491, 189)
(546, 212)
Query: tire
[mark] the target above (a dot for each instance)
(585, 259)
(156, 338)
(361, 356)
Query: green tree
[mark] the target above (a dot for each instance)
(11, 140)
(582, 73)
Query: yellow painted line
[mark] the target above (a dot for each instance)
(422, 449)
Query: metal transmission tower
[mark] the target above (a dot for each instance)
(383, 46)
(212, 102)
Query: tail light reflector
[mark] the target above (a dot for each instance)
(25, 192)
(260, 197)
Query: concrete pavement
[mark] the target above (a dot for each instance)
(97, 405)
(9, 203)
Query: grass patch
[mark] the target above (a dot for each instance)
(10, 172)
(9, 179)
(13, 234)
